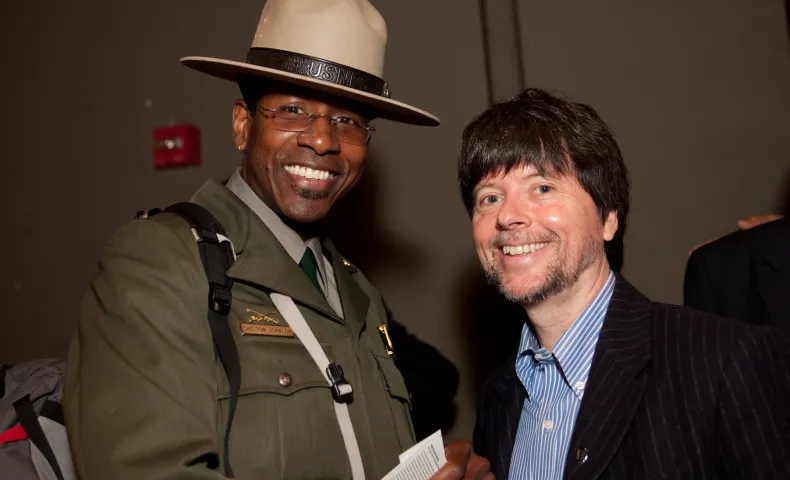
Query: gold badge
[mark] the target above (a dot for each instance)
(385, 335)
(265, 324)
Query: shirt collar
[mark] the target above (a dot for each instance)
(529, 341)
(575, 348)
(289, 239)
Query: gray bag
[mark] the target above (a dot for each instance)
(33, 441)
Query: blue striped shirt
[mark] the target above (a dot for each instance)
(555, 384)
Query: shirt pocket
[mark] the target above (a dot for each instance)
(270, 363)
(280, 366)
(400, 399)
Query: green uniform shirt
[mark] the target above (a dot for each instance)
(146, 398)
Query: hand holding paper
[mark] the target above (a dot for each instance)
(420, 461)
(463, 463)
(430, 460)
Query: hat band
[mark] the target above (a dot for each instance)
(319, 69)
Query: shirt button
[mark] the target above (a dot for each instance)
(285, 380)
(579, 385)
(548, 424)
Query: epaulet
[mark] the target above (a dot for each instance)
(350, 266)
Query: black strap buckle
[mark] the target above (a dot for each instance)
(341, 389)
(219, 298)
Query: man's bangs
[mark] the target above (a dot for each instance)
(518, 146)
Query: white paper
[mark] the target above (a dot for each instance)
(433, 440)
(421, 461)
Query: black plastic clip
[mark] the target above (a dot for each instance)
(219, 298)
(341, 389)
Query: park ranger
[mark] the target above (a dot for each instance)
(319, 396)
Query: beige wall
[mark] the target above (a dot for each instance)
(702, 117)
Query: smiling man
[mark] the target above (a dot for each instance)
(147, 396)
(606, 383)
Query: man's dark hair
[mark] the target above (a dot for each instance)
(556, 137)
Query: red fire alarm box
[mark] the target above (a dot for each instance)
(176, 146)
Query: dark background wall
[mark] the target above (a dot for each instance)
(698, 94)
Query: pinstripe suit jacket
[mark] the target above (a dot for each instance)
(672, 393)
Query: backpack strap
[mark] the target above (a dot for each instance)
(29, 420)
(217, 255)
(3, 369)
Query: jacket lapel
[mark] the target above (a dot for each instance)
(615, 385)
(261, 259)
(354, 300)
(512, 395)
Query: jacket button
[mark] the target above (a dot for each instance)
(285, 380)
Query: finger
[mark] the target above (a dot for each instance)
(746, 223)
(477, 468)
(449, 471)
(755, 220)
(457, 454)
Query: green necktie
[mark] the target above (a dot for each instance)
(309, 265)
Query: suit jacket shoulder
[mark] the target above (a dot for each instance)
(743, 275)
(717, 390)
(762, 236)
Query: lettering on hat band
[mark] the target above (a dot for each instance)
(318, 69)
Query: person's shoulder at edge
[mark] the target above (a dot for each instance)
(161, 238)
(743, 237)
